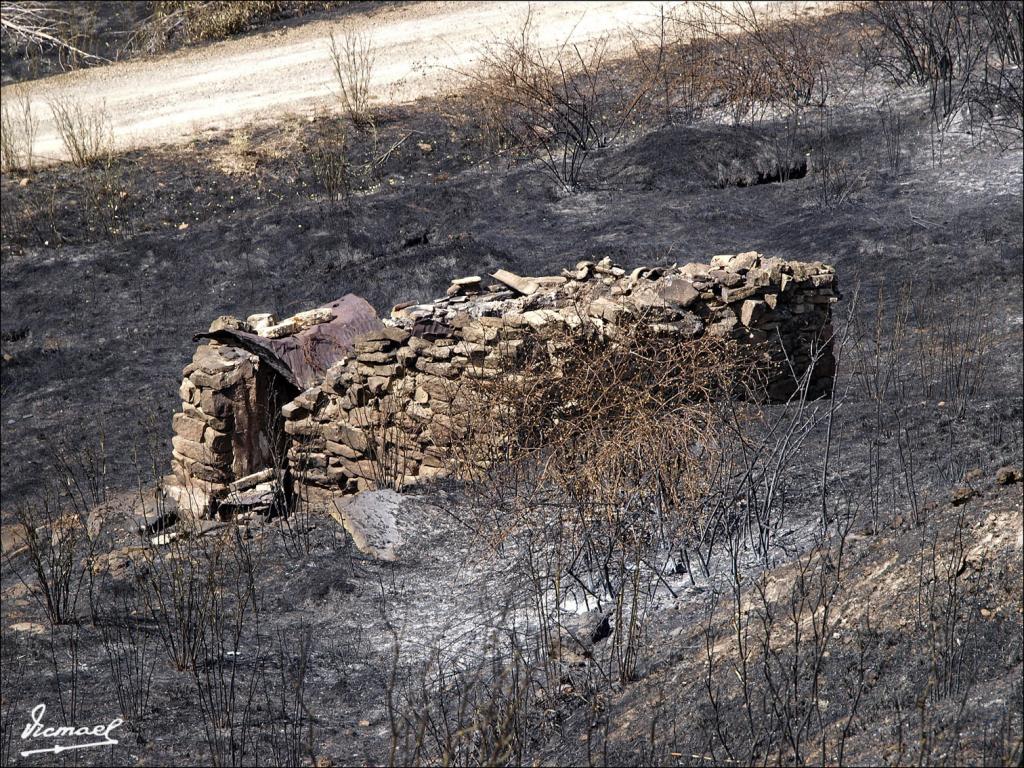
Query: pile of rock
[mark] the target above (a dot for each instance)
(393, 413)
(217, 392)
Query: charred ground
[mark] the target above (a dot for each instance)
(108, 271)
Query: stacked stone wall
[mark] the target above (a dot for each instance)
(395, 412)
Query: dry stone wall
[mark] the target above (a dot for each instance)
(393, 411)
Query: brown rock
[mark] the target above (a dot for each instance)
(197, 451)
(219, 442)
(375, 358)
(388, 332)
(728, 279)
(743, 261)
(519, 284)
(228, 322)
(188, 391)
(188, 428)
(962, 494)
(219, 381)
(343, 450)
(732, 295)
(1008, 475)
(751, 311)
(377, 384)
(347, 434)
(214, 403)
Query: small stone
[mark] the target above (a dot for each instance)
(190, 429)
(679, 292)
(962, 494)
(29, 627)
(228, 323)
(1008, 475)
(287, 327)
(293, 410)
(519, 284)
(219, 381)
(371, 519)
(261, 321)
(751, 311)
(732, 295)
(388, 332)
(742, 262)
(728, 279)
(312, 317)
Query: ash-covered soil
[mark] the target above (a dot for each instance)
(97, 327)
(923, 655)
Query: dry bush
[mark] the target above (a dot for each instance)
(923, 345)
(597, 448)
(840, 174)
(54, 536)
(17, 131)
(84, 130)
(352, 59)
(57, 540)
(676, 66)
(489, 711)
(559, 105)
(35, 27)
(184, 21)
(129, 648)
(758, 60)
(969, 55)
(328, 156)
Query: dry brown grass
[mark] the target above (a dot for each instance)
(17, 131)
(84, 130)
(352, 58)
(597, 448)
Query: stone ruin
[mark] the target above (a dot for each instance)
(309, 407)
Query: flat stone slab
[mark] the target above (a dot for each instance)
(371, 520)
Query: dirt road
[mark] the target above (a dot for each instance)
(262, 76)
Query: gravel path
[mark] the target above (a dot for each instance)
(420, 47)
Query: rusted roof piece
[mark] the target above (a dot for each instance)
(304, 357)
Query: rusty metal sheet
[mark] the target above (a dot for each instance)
(303, 358)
